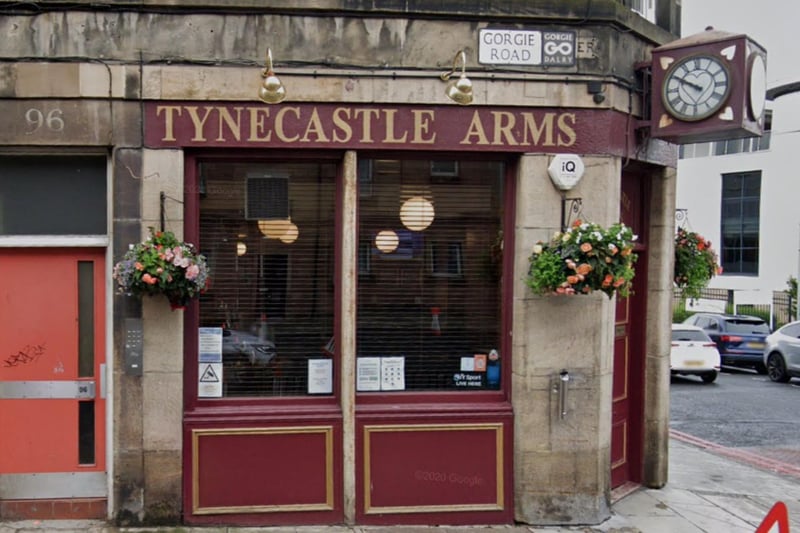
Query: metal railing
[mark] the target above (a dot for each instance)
(782, 309)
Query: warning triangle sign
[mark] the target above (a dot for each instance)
(779, 515)
(209, 376)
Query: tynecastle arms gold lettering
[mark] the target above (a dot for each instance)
(194, 124)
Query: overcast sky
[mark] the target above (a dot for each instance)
(774, 24)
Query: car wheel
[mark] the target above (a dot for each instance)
(776, 368)
(760, 368)
(709, 377)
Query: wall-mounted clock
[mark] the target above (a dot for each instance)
(757, 88)
(707, 87)
(696, 87)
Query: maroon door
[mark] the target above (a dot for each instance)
(629, 354)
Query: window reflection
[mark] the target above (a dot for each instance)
(268, 232)
(431, 304)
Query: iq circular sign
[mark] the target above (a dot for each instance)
(566, 170)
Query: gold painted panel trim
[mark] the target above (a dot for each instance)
(327, 505)
(499, 489)
(624, 459)
(626, 351)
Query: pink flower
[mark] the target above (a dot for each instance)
(150, 280)
(192, 272)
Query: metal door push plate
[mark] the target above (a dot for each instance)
(47, 390)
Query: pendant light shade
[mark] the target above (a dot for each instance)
(417, 213)
(274, 228)
(387, 241)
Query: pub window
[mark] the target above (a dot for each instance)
(428, 313)
(268, 231)
(740, 224)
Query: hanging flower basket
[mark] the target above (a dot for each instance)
(163, 265)
(695, 263)
(584, 259)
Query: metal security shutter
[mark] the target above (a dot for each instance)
(429, 297)
(268, 230)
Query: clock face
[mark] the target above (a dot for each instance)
(696, 87)
(757, 91)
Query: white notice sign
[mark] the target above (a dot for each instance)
(320, 376)
(209, 345)
(209, 382)
(368, 373)
(393, 373)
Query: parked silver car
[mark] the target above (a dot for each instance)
(241, 347)
(782, 353)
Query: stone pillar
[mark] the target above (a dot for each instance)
(660, 262)
(149, 408)
(561, 463)
(347, 343)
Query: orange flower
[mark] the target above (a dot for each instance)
(584, 269)
(138, 266)
(626, 252)
(150, 280)
(607, 280)
(572, 280)
(586, 247)
(619, 281)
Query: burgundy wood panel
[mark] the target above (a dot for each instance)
(418, 467)
(260, 470)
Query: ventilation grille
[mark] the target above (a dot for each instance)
(267, 197)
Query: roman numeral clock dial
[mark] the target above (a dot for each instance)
(696, 87)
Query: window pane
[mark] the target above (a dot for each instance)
(740, 224)
(702, 149)
(268, 232)
(751, 186)
(429, 295)
(733, 146)
(765, 139)
(52, 195)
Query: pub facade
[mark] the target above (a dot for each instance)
(366, 186)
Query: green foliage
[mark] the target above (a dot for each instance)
(695, 263)
(761, 312)
(583, 259)
(679, 314)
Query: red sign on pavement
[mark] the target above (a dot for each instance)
(777, 515)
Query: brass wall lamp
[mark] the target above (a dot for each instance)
(459, 90)
(272, 90)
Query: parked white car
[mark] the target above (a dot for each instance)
(693, 353)
(782, 354)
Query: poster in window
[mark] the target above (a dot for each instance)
(320, 376)
(368, 374)
(393, 373)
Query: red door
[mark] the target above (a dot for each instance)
(629, 326)
(52, 398)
